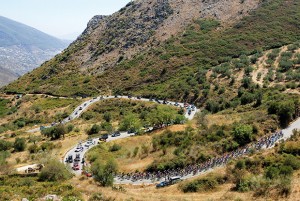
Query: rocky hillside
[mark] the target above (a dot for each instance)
(143, 24)
(164, 48)
(139, 26)
(23, 48)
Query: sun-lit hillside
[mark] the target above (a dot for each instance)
(162, 100)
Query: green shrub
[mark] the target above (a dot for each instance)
(136, 151)
(47, 146)
(272, 172)
(285, 110)
(5, 145)
(94, 130)
(104, 174)
(53, 171)
(107, 116)
(242, 134)
(55, 132)
(115, 147)
(70, 128)
(3, 156)
(208, 183)
(292, 161)
(19, 144)
(33, 149)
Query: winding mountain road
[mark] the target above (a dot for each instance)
(82, 147)
(85, 105)
(287, 133)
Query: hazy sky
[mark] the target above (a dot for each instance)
(59, 18)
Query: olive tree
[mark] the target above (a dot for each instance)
(104, 173)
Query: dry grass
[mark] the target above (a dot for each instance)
(220, 119)
(151, 193)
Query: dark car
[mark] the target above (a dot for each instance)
(132, 131)
(77, 158)
(103, 137)
(129, 96)
(162, 184)
(69, 159)
(174, 180)
(116, 134)
(138, 97)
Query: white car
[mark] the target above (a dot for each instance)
(79, 149)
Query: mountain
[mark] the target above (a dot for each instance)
(237, 61)
(23, 48)
(163, 48)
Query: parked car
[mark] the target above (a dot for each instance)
(103, 137)
(162, 184)
(80, 108)
(69, 159)
(132, 132)
(172, 180)
(88, 144)
(79, 149)
(115, 134)
(75, 166)
(77, 158)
